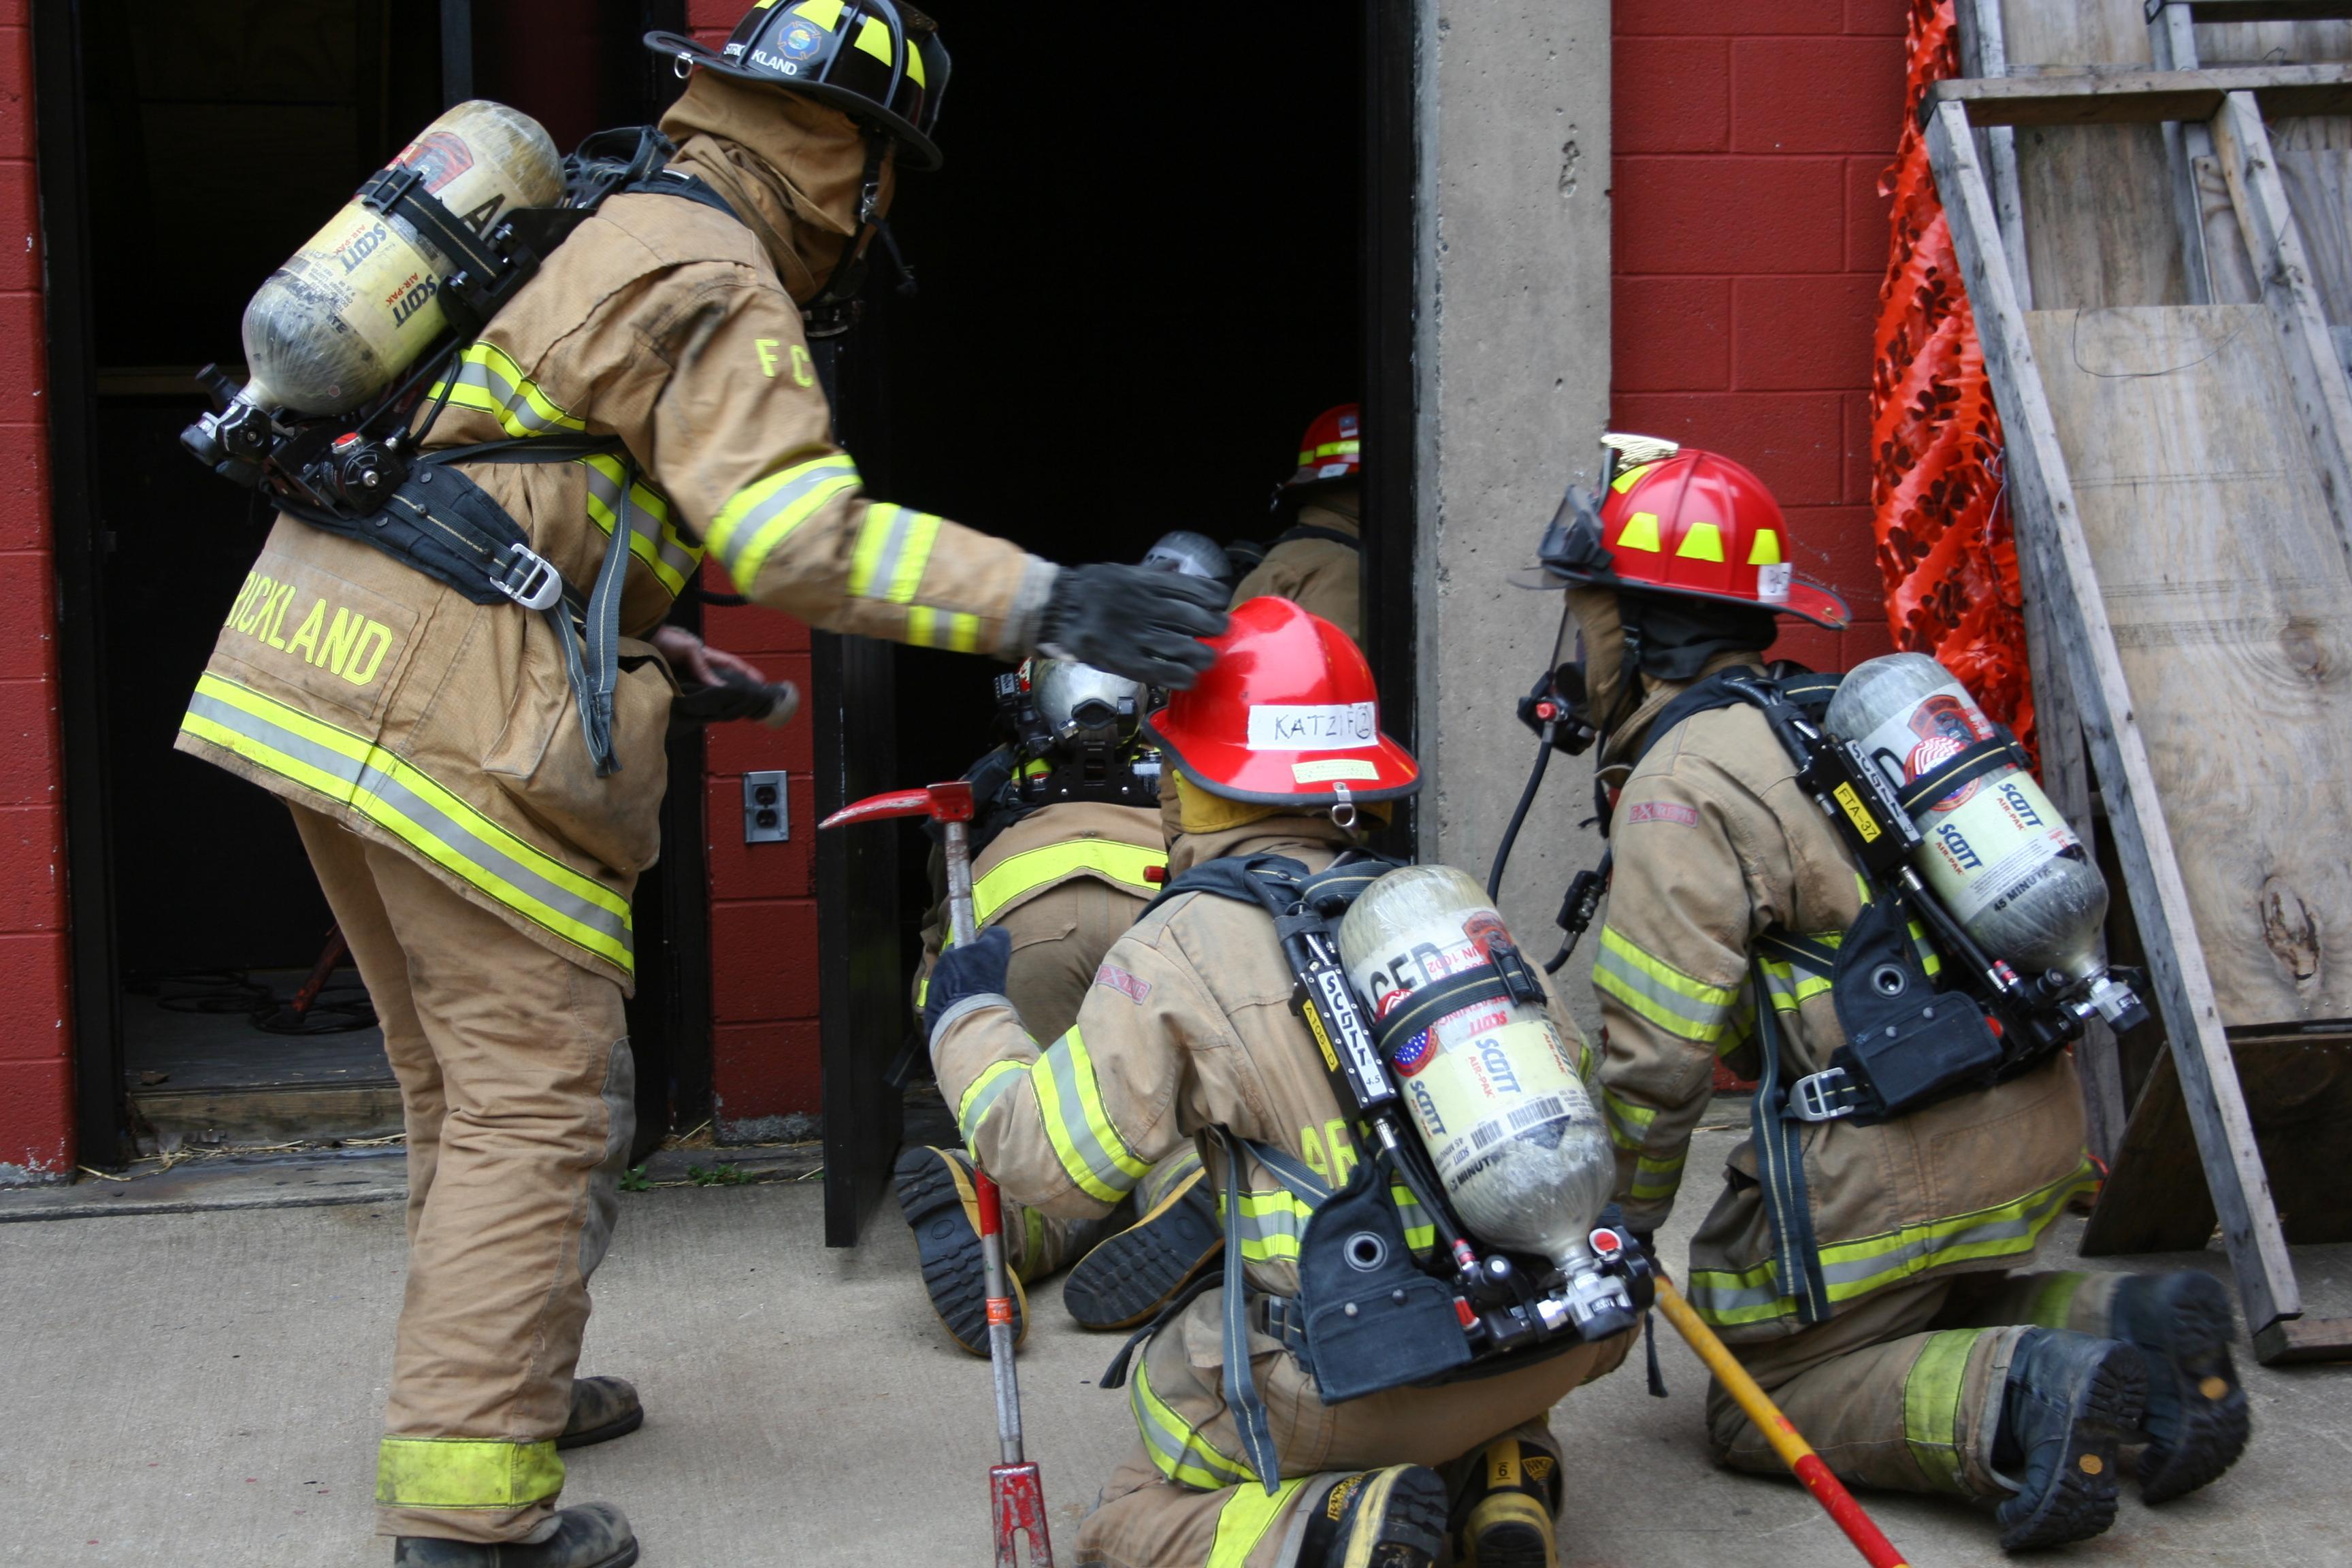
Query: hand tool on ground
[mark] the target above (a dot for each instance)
(1787, 1442)
(1016, 1492)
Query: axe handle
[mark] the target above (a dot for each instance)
(959, 858)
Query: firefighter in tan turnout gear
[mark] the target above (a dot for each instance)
(1318, 563)
(477, 781)
(1894, 1337)
(1188, 1037)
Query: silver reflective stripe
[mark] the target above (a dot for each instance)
(982, 1096)
(1075, 1129)
(736, 537)
(366, 779)
(873, 575)
(513, 402)
(1271, 1224)
(650, 525)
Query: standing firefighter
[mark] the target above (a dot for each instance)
(1189, 1038)
(1318, 563)
(477, 781)
(1892, 1334)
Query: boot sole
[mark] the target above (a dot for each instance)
(1509, 1530)
(2212, 1432)
(605, 1433)
(2081, 1501)
(1400, 1521)
(938, 1203)
(1124, 1280)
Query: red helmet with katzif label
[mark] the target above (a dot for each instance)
(1287, 714)
(1679, 520)
(1332, 449)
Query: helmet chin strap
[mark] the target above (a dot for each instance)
(836, 309)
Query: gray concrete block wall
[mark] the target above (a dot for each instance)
(1514, 353)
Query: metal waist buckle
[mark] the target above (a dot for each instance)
(1830, 1095)
(528, 578)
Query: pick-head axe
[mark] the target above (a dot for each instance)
(1016, 1492)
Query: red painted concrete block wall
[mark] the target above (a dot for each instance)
(35, 1045)
(1749, 240)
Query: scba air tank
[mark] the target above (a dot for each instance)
(1493, 1087)
(355, 308)
(1995, 850)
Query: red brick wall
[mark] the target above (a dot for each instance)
(36, 1039)
(1749, 242)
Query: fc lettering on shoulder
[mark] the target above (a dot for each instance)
(349, 644)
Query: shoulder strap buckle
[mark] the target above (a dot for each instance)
(1830, 1095)
(528, 578)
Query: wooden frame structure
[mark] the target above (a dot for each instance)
(2066, 610)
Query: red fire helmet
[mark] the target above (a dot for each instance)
(1331, 449)
(1688, 522)
(1286, 715)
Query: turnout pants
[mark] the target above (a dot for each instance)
(518, 1090)
(1184, 1497)
(1903, 1389)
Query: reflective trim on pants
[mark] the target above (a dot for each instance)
(464, 1472)
(1931, 1405)
(1247, 1515)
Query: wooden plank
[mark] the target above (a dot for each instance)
(2075, 33)
(2299, 1093)
(2172, 43)
(2105, 97)
(2293, 1339)
(2051, 543)
(2229, 270)
(2084, 247)
(2231, 614)
(2318, 184)
(2217, 11)
(2322, 396)
(1985, 53)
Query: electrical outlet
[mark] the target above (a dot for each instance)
(767, 808)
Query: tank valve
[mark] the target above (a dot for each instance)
(2117, 1003)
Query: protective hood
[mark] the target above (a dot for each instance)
(1678, 639)
(790, 167)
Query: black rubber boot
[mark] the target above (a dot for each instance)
(593, 1535)
(2198, 1419)
(1503, 1517)
(603, 1409)
(935, 1193)
(1128, 1278)
(2070, 1401)
(1379, 1518)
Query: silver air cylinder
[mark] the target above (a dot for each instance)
(1493, 1088)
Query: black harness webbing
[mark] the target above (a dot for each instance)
(1780, 1163)
(1314, 531)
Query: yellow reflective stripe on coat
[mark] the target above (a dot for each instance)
(1271, 1225)
(1183, 1455)
(489, 382)
(952, 630)
(1419, 1227)
(1656, 991)
(894, 545)
(1931, 1405)
(462, 1472)
(1790, 990)
(1656, 1181)
(1017, 876)
(761, 516)
(1729, 1298)
(1089, 1148)
(654, 538)
(1243, 1523)
(1629, 1124)
(409, 803)
(986, 1090)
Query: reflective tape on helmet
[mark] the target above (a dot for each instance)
(488, 381)
(1015, 877)
(761, 516)
(1069, 1099)
(464, 1472)
(350, 770)
(1729, 1298)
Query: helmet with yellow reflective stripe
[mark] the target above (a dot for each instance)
(875, 60)
(1331, 450)
(1675, 520)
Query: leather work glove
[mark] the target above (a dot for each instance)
(1134, 621)
(967, 969)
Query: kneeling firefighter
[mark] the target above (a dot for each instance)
(1366, 1068)
(504, 407)
(1849, 887)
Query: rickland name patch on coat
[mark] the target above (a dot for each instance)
(313, 630)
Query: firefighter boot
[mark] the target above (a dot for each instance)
(935, 1193)
(593, 1535)
(603, 1409)
(1131, 1275)
(1503, 1517)
(2196, 1419)
(1393, 1518)
(2069, 1401)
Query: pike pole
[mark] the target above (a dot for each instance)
(1787, 1442)
(1016, 1490)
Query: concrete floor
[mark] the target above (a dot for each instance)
(202, 1388)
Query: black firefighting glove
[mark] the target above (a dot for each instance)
(1133, 621)
(975, 968)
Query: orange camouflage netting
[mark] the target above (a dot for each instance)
(1938, 508)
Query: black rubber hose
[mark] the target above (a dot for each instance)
(1527, 799)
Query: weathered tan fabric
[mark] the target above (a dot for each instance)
(1187, 1027)
(1716, 842)
(517, 1090)
(349, 683)
(1321, 576)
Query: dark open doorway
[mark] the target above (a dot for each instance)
(226, 134)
